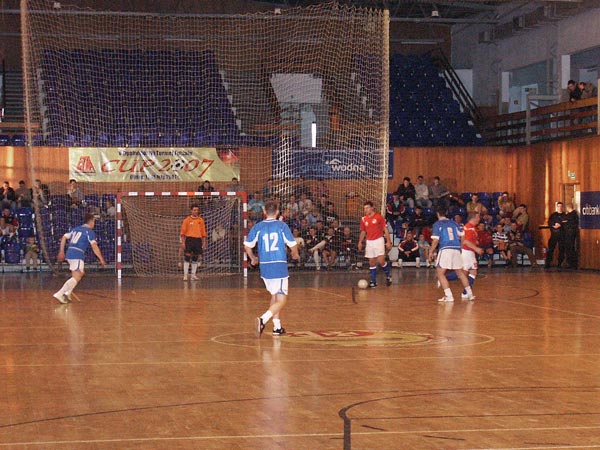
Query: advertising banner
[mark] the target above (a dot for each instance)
(589, 210)
(324, 164)
(152, 164)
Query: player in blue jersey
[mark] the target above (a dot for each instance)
(80, 238)
(270, 237)
(448, 237)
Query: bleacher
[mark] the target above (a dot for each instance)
(423, 111)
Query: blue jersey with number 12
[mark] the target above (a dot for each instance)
(271, 236)
(80, 239)
(448, 233)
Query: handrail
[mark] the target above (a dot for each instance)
(457, 86)
(3, 104)
(543, 124)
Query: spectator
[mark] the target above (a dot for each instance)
(40, 193)
(438, 193)
(408, 249)
(312, 243)
(110, 212)
(255, 207)
(574, 91)
(517, 247)
(486, 243)
(323, 203)
(305, 205)
(418, 221)
(458, 219)
(506, 206)
(293, 206)
(424, 248)
(8, 217)
(269, 192)
(407, 193)
(235, 186)
(74, 194)
(8, 196)
(302, 188)
(500, 241)
(571, 232)
(588, 90)
(330, 215)
(32, 252)
(219, 233)
(23, 195)
(331, 247)
(475, 206)
(301, 248)
(422, 193)
(521, 217)
(395, 211)
(348, 247)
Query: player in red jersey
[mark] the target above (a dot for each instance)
(379, 242)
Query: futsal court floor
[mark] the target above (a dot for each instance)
(163, 364)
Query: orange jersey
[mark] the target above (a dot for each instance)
(470, 231)
(373, 226)
(193, 227)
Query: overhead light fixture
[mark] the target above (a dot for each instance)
(435, 11)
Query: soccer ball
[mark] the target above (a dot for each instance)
(178, 164)
(363, 284)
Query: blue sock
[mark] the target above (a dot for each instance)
(386, 269)
(451, 276)
(373, 274)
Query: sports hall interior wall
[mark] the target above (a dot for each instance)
(534, 175)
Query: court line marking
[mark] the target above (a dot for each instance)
(292, 435)
(327, 292)
(324, 360)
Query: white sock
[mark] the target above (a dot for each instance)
(186, 268)
(68, 286)
(469, 290)
(194, 268)
(266, 316)
(276, 324)
(448, 293)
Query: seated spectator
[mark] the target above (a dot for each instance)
(438, 194)
(348, 247)
(521, 217)
(305, 205)
(406, 191)
(395, 211)
(312, 241)
(588, 90)
(517, 247)
(9, 218)
(255, 207)
(32, 252)
(292, 206)
(486, 243)
(574, 91)
(331, 248)
(330, 215)
(403, 231)
(110, 211)
(235, 186)
(422, 193)
(74, 194)
(23, 195)
(418, 221)
(323, 203)
(505, 206)
(219, 233)
(476, 206)
(40, 193)
(269, 192)
(424, 248)
(302, 189)
(300, 242)
(459, 221)
(500, 241)
(313, 217)
(408, 249)
(8, 196)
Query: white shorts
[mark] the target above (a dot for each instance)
(75, 265)
(276, 285)
(449, 258)
(375, 248)
(469, 259)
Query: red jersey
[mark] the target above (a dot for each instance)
(373, 226)
(470, 231)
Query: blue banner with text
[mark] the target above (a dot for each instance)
(589, 210)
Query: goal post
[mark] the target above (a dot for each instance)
(148, 225)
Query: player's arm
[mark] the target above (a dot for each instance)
(182, 234)
(98, 253)
(249, 245)
(203, 234)
(434, 243)
(61, 251)
(251, 255)
(471, 245)
(388, 239)
(361, 238)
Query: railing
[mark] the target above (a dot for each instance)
(3, 90)
(547, 123)
(457, 87)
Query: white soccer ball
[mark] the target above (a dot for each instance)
(363, 284)
(178, 164)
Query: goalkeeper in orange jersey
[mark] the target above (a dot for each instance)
(193, 241)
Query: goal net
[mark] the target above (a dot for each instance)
(148, 232)
(290, 102)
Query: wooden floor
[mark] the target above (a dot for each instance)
(163, 364)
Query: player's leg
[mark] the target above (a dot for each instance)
(373, 272)
(386, 268)
(465, 282)
(64, 293)
(187, 258)
(194, 260)
(278, 289)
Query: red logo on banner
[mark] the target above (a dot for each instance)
(85, 165)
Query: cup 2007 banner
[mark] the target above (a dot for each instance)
(589, 210)
(152, 164)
